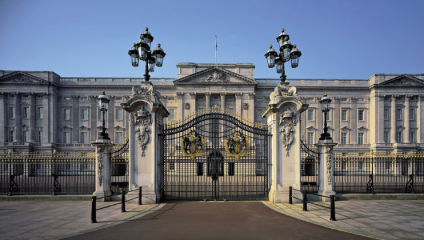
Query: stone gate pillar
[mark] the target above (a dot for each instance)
(283, 117)
(103, 162)
(326, 168)
(145, 145)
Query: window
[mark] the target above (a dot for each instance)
(344, 138)
(26, 112)
(344, 115)
(40, 136)
(171, 114)
(411, 114)
(12, 112)
(40, 113)
(310, 115)
(360, 138)
(11, 136)
(361, 115)
(67, 114)
(411, 136)
(310, 137)
(67, 137)
(118, 137)
(26, 136)
(398, 114)
(119, 114)
(386, 137)
(84, 138)
(398, 137)
(386, 114)
(84, 114)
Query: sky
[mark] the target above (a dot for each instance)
(338, 39)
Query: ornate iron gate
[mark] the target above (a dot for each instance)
(215, 155)
(309, 167)
(119, 167)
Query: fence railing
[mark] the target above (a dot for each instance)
(305, 201)
(47, 173)
(378, 173)
(309, 167)
(122, 202)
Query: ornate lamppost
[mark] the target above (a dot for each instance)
(287, 52)
(103, 105)
(141, 51)
(325, 108)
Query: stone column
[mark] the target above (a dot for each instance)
(208, 99)
(223, 96)
(420, 119)
(3, 118)
(75, 119)
(325, 149)
(406, 120)
(18, 118)
(192, 102)
(354, 120)
(251, 108)
(180, 108)
(393, 120)
(32, 116)
(46, 118)
(379, 119)
(336, 119)
(238, 103)
(103, 173)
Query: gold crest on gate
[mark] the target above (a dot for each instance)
(237, 146)
(193, 145)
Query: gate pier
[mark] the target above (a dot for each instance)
(283, 117)
(145, 126)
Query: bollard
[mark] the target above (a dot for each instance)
(290, 195)
(139, 195)
(123, 201)
(305, 207)
(333, 209)
(93, 209)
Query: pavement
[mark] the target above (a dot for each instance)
(384, 219)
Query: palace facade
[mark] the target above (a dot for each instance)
(42, 111)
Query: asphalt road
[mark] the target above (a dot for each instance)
(216, 220)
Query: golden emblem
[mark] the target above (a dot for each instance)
(193, 145)
(237, 146)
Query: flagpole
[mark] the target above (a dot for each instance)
(216, 46)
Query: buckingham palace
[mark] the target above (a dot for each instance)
(42, 110)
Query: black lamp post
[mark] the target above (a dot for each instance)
(141, 51)
(103, 105)
(287, 52)
(325, 108)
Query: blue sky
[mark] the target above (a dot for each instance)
(339, 39)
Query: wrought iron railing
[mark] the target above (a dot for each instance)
(378, 172)
(119, 167)
(47, 173)
(309, 168)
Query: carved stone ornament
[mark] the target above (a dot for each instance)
(245, 106)
(146, 90)
(329, 164)
(187, 106)
(237, 146)
(282, 91)
(142, 120)
(217, 77)
(100, 164)
(193, 145)
(287, 122)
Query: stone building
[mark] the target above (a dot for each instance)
(42, 110)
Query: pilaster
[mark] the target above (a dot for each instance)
(326, 168)
(420, 120)
(33, 115)
(3, 118)
(46, 118)
(251, 110)
(111, 118)
(192, 102)
(406, 121)
(208, 99)
(180, 106)
(103, 173)
(223, 96)
(336, 119)
(393, 119)
(18, 118)
(75, 119)
(238, 103)
(354, 120)
(380, 119)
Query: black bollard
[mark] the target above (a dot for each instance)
(93, 209)
(290, 195)
(139, 195)
(333, 208)
(305, 207)
(123, 201)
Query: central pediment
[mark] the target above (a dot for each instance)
(215, 75)
(403, 81)
(22, 77)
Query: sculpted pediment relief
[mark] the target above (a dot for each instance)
(21, 77)
(215, 75)
(403, 81)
